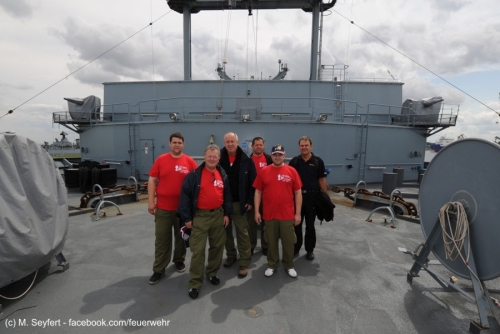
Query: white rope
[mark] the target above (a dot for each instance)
(454, 237)
(25, 292)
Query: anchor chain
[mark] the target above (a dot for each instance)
(410, 207)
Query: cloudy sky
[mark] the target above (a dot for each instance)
(42, 42)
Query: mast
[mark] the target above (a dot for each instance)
(188, 7)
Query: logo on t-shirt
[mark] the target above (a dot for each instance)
(262, 164)
(218, 183)
(284, 178)
(181, 169)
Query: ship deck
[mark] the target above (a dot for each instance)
(356, 284)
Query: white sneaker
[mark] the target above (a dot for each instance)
(269, 272)
(292, 273)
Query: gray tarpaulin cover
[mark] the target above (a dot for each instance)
(84, 109)
(33, 208)
(424, 111)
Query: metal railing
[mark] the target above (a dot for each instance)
(305, 109)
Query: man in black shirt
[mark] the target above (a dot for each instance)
(311, 169)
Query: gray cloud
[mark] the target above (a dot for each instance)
(17, 8)
(131, 60)
(18, 86)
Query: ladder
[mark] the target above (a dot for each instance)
(133, 128)
(362, 139)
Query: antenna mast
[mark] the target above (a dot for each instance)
(320, 45)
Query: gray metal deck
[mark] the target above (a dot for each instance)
(356, 284)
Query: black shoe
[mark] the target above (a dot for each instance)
(264, 251)
(229, 262)
(155, 278)
(193, 293)
(310, 256)
(180, 266)
(214, 280)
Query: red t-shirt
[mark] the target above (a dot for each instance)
(278, 185)
(259, 162)
(170, 172)
(211, 194)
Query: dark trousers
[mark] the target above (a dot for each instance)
(308, 213)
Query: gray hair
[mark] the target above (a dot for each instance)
(231, 133)
(212, 147)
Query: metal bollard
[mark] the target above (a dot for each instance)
(401, 175)
(389, 182)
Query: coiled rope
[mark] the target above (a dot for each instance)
(454, 235)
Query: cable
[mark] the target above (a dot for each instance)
(25, 292)
(23, 308)
(401, 53)
(88, 63)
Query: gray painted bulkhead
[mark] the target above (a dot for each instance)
(353, 146)
(388, 147)
(124, 97)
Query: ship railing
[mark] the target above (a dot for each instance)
(445, 117)
(372, 80)
(333, 72)
(268, 109)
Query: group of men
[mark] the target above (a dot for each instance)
(230, 189)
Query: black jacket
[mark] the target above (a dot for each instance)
(324, 207)
(191, 189)
(246, 178)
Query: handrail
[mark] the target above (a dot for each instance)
(289, 107)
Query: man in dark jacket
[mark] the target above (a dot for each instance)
(205, 206)
(260, 160)
(241, 173)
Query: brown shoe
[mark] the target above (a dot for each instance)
(229, 262)
(243, 272)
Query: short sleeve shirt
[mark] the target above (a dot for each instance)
(211, 194)
(278, 185)
(259, 162)
(170, 172)
(310, 171)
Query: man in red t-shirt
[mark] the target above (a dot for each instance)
(260, 160)
(280, 185)
(165, 180)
